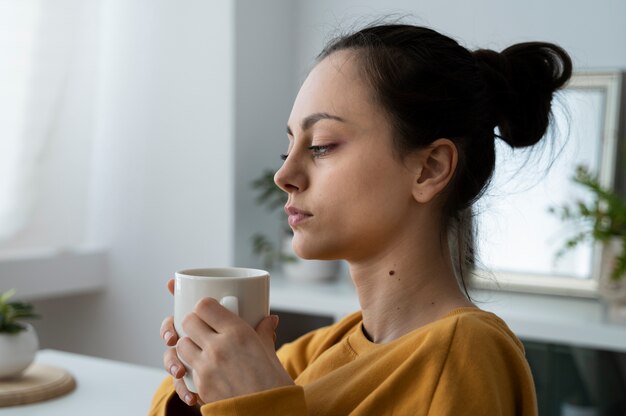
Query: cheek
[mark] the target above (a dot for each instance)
(374, 184)
(367, 200)
(358, 205)
(378, 202)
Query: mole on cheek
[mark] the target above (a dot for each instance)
(392, 272)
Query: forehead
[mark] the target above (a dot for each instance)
(335, 86)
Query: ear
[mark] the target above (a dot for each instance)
(437, 165)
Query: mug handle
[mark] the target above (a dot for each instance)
(231, 303)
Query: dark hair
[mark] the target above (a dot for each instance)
(431, 87)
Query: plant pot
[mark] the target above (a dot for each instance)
(308, 270)
(17, 351)
(612, 292)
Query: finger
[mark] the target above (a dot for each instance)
(189, 352)
(170, 286)
(184, 394)
(168, 333)
(172, 364)
(217, 316)
(266, 329)
(196, 329)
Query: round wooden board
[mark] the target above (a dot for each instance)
(38, 382)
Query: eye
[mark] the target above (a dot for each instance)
(320, 151)
(283, 157)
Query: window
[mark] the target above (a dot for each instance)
(518, 237)
(18, 23)
(48, 54)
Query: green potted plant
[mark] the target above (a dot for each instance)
(601, 220)
(282, 253)
(18, 340)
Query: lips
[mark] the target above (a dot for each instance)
(296, 215)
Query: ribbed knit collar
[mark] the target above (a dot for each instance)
(360, 344)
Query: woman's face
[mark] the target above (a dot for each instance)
(341, 168)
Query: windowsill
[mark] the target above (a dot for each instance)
(545, 318)
(52, 273)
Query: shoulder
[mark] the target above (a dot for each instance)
(483, 358)
(473, 326)
(466, 334)
(484, 352)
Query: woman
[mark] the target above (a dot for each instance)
(391, 140)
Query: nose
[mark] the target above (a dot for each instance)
(291, 177)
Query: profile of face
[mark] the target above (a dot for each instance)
(341, 168)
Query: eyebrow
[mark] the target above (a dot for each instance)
(309, 121)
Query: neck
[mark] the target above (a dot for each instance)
(406, 286)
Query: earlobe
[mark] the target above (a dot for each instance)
(438, 163)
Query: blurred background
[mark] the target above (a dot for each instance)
(132, 130)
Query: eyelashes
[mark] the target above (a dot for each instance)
(323, 150)
(316, 151)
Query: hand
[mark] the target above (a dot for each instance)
(170, 360)
(229, 357)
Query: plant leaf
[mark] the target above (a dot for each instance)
(7, 295)
(10, 312)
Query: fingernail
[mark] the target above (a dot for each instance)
(167, 335)
(275, 321)
(174, 370)
(188, 399)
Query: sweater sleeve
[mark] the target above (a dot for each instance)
(165, 401)
(485, 373)
(287, 401)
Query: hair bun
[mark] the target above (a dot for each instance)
(520, 82)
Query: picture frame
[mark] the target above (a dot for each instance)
(517, 238)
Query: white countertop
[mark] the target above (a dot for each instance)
(544, 318)
(103, 387)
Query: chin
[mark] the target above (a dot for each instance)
(314, 251)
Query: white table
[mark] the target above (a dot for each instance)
(103, 387)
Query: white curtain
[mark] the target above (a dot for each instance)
(38, 41)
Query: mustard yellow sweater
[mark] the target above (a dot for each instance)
(466, 363)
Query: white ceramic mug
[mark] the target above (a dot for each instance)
(242, 291)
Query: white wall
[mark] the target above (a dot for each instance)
(592, 32)
(162, 194)
(264, 85)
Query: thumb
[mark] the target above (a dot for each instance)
(267, 331)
